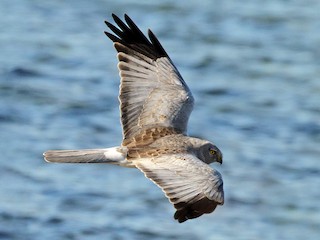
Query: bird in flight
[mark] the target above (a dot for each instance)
(155, 105)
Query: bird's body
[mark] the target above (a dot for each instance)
(155, 105)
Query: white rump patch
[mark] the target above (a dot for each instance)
(116, 153)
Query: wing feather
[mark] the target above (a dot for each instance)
(152, 91)
(192, 186)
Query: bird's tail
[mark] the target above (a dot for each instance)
(114, 155)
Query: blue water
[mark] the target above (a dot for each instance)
(253, 67)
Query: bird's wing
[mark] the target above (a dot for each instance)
(153, 94)
(192, 186)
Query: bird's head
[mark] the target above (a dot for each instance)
(210, 153)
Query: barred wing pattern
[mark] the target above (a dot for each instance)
(152, 92)
(155, 105)
(192, 186)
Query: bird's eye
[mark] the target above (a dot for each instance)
(212, 152)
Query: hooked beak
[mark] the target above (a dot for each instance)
(219, 157)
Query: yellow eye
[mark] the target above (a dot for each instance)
(212, 152)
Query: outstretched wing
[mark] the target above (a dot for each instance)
(153, 94)
(192, 186)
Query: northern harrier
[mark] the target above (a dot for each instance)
(155, 105)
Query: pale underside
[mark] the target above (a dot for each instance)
(156, 102)
(155, 105)
(192, 186)
(154, 99)
(152, 95)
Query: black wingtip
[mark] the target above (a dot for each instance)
(107, 34)
(130, 22)
(127, 33)
(112, 37)
(126, 17)
(114, 16)
(155, 42)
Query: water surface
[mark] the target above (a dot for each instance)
(253, 67)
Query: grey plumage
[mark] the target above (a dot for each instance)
(155, 105)
(115, 155)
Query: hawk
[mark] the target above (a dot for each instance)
(155, 105)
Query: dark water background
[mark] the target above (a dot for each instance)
(253, 67)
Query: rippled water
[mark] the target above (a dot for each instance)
(253, 67)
